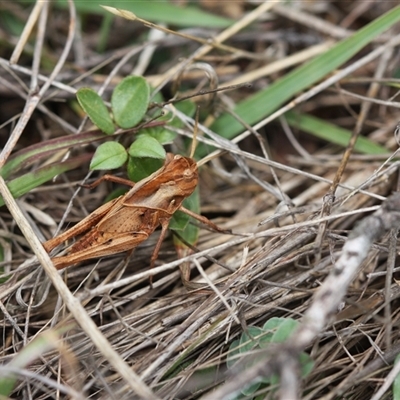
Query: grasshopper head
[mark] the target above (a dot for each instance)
(185, 173)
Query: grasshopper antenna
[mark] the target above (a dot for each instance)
(195, 130)
(203, 92)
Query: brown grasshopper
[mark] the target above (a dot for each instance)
(125, 222)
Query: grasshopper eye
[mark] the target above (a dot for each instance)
(188, 173)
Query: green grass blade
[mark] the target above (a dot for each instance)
(265, 102)
(331, 133)
(23, 184)
(32, 154)
(156, 11)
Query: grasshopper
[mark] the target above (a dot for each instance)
(123, 223)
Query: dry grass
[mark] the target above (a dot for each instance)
(168, 342)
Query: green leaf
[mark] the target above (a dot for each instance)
(130, 100)
(110, 155)
(180, 220)
(270, 328)
(273, 323)
(266, 101)
(146, 146)
(306, 364)
(140, 168)
(331, 133)
(190, 233)
(285, 329)
(94, 107)
(249, 340)
(251, 388)
(233, 354)
(278, 328)
(160, 133)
